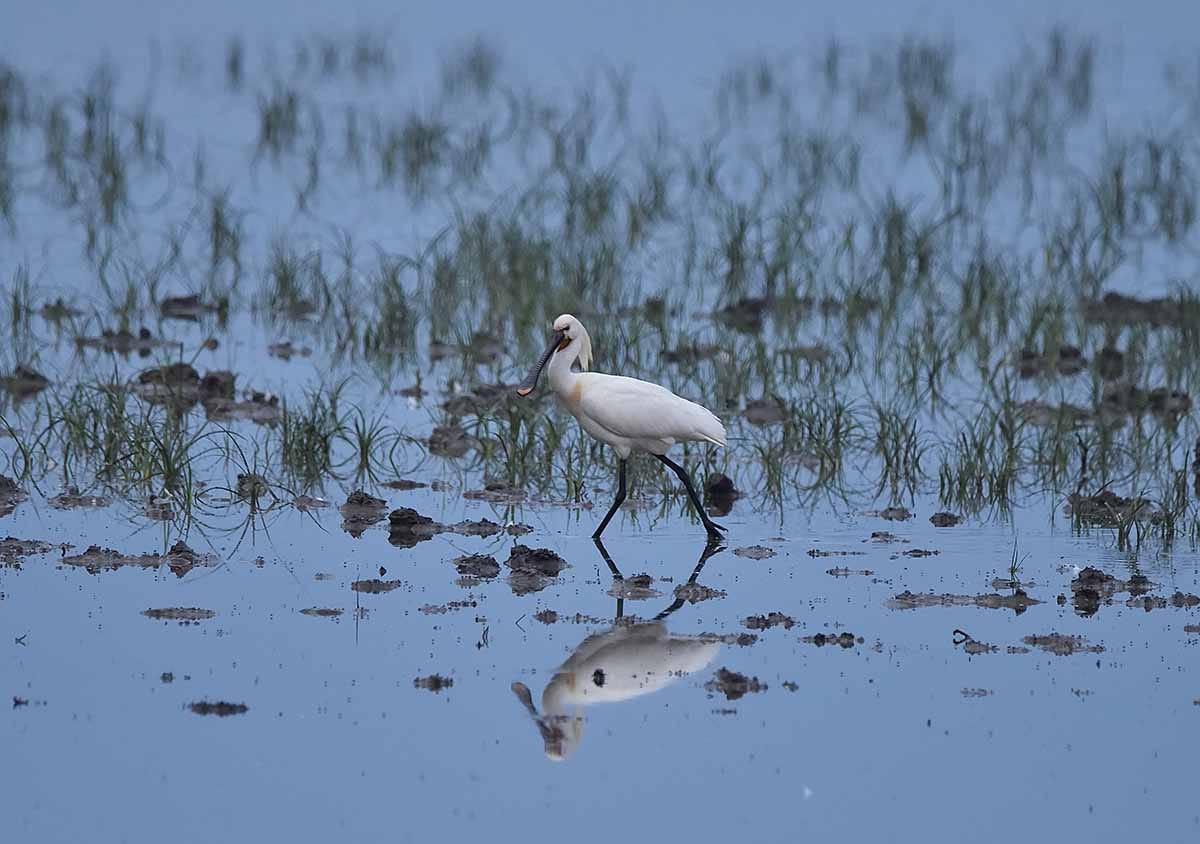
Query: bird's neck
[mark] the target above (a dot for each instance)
(561, 377)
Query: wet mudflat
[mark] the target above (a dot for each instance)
(281, 539)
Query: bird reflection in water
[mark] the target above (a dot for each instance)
(630, 659)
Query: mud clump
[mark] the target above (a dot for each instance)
(184, 615)
(1061, 644)
(842, 571)
(13, 549)
(71, 499)
(1129, 400)
(1118, 309)
(765, 411)
(321, 612)
(255, 406)
(1066, 360)
(286, 350)
(638, 587)
(10, 495)
(1092, 587)
(375, 586)
(496, 493)
(766, 622)
(482, 566)
(755, 552)
(1107, 509)
(407, 527)
(449, 441)
(694, 593)
(720, 493)
(433, 683)
(405, 484)
(734, 685)
(945, 520)
(1019, 601)
(820, 552)
(842, 640)
(892, 514)
(976, 693)
(180, 559)
(533, 569)
(360, 512)
(23, 383)
(124, 342)
(917, 552)
(546, 616)
(191, 307)
(220, 708)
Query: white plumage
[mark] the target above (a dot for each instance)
(627, 413)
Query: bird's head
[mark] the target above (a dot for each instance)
(570, 339)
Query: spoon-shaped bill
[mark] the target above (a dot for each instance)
(526, 386)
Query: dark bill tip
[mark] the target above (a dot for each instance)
(526, 387)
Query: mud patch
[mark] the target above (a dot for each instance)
(449, 441)
(1107, 509)
(906, 600)
(694, 593)
(976, 693)
(180, 559)
(496, 493)
(945, 520)
(766, 622)
(13, 549)
(533, 569)
(375, 586)
(734, 685)
(638, 587)
(23, 383)
(184, 615)
(1092, 587)
(72, 499)
(449, 606)
(123, 342)
(286, 350)
(321, 612)
(821, 552)
(916, 552)
(1118, 309)
(1061, 644)
(845, 572)
(842, 640)
(765, 411)
(482, 566)
(755, 552)
(10, 495)
(360, 512)
(892, 514)
(433, 683)
(256, 406)
(220, 708)
(720, 494)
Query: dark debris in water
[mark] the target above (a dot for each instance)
(841, 571)
(822, 552)
(734, 685)
(1107, 509)
(190, 308)
(256, 406)
(496, 492)
(916, 552)
(765, 411)
(433, 683)
(220, 708)
(124, 341)
(449, 441)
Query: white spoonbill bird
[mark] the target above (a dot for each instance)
(628, 414)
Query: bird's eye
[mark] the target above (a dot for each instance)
(598, 677)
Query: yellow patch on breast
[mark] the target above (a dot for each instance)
(576, 392)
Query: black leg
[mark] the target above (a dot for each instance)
(714, 529)
(612, 567)
(712, 547)
(612, 511)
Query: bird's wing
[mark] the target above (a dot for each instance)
(641, 410)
